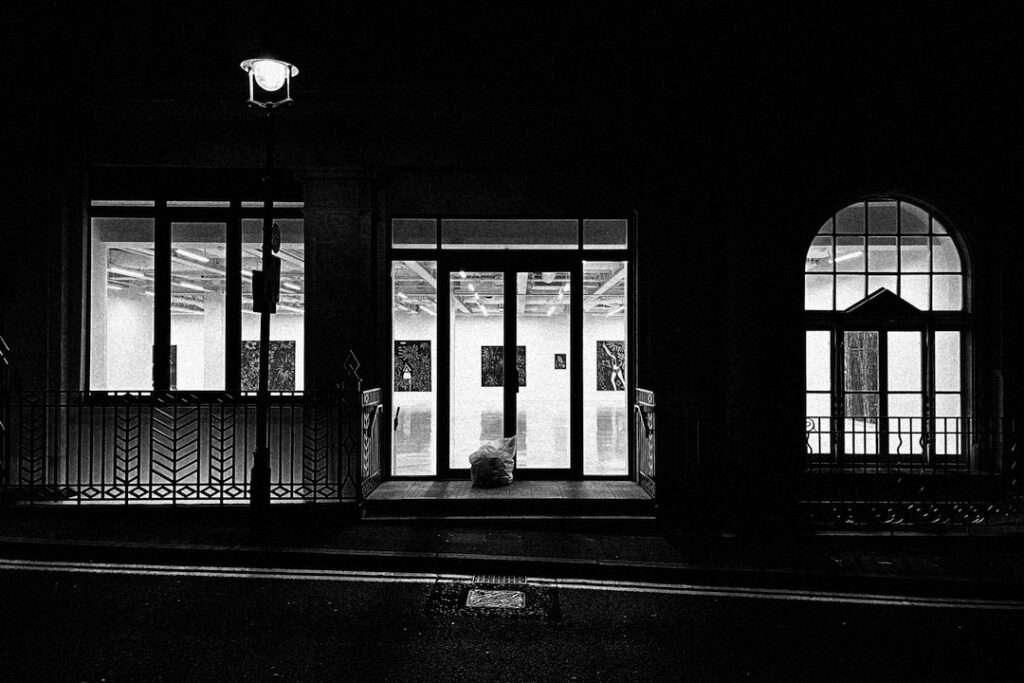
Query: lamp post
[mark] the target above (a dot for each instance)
(267, 77)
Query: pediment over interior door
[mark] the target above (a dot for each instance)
(883, 303)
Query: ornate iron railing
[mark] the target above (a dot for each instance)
(369, 428)
(646, 440)
(178, 447)
(910, 471)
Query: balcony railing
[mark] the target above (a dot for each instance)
(182, 447)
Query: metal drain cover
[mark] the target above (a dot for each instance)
(496, 599)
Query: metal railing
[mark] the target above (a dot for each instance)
(179, 447)
(646, 440)
(911, 471)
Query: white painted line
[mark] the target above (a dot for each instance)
(568, 584)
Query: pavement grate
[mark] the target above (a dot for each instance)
(473, 599)
(495, 599)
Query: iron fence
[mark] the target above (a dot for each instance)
(910, 471)
(179, 447)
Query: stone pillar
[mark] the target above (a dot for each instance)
(341, 277)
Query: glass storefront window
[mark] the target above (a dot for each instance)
(121, 315)
(287, 326)
(605, 389)
(414, 367)
(198, 256)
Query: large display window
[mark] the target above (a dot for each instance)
(171, 296)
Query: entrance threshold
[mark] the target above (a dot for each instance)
(520, 499)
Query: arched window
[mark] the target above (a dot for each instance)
(885, 299)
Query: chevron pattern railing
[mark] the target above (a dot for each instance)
(175, 447)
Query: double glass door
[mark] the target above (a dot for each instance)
(510, 358)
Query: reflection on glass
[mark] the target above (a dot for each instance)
(287, 326)
(197, 305)
(121, 316)
(543, 402)
(605, 388)
(414, 367)
(477, 371)
(860, 377)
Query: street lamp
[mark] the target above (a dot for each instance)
(267, 77)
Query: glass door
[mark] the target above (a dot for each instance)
(476, 362)
(544, 367)
(506, 343)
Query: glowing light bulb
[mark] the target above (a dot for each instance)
(269, 74)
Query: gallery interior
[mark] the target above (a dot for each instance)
(743, 276)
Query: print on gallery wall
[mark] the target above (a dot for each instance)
(611, 366)
(281, 368)
(492, 366)
(412, 365)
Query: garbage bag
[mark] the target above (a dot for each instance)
(493, 462)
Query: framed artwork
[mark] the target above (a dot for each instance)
(611, 366)
(281, 368)
(412, 365)
(559, 361)
(492, 366)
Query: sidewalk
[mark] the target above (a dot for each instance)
(314, 537)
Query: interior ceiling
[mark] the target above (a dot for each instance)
(482, 293)
(201, 270)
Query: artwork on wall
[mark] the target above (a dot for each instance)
(492, 366)
(559, 361)
(412, 365)
(611, 366)
(281, 368)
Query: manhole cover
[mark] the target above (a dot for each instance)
(479, 597)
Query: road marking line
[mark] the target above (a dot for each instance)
(568, 584)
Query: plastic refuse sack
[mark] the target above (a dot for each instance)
(493, 462)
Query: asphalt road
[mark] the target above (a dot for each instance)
(161, 626)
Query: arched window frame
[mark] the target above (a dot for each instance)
(937, 435)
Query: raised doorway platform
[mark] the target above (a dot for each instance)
(612, 499)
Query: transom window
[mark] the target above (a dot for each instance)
(888, 244)
(886, 373)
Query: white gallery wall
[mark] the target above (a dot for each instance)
(544, 402)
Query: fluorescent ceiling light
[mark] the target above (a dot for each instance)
(847, 257)
(117, 270)
(192, 255)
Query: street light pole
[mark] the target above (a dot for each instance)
(266, 76)
(260, 475)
